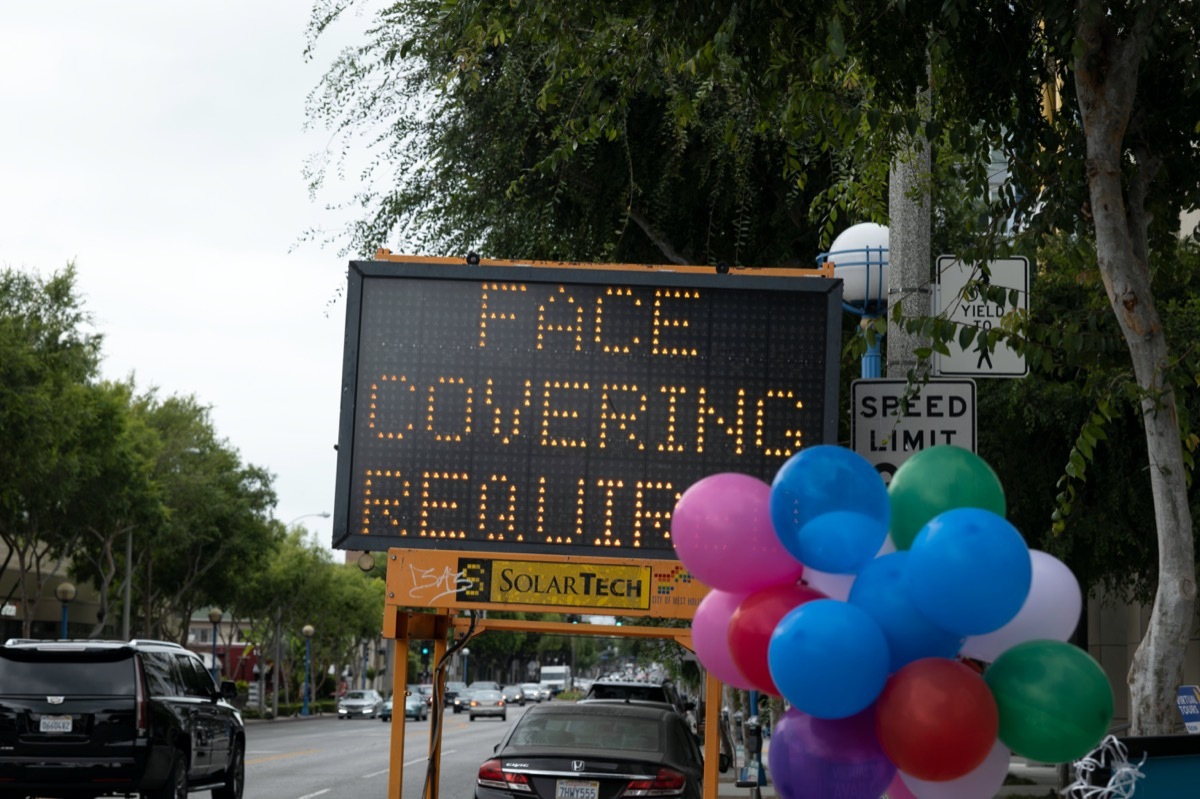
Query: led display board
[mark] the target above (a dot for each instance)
(562, 410)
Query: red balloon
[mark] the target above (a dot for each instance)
(751, 626)
(936, 719)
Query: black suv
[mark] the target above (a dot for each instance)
(87, 718)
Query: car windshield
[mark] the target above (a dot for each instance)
(485, 695)
(360, 695)
(603, 732)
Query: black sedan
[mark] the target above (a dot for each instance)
(597, 751)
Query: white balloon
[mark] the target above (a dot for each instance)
(1051, 611)
(981, 783)
(834, 586)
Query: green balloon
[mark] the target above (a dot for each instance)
(1054, 699)
(936, 480)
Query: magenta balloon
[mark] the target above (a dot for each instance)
(710, 637)
(723, 534)
(1051, 611)
(897, 789)
(811, 758)
(983, 782)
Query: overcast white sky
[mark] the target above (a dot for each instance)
(159, 145)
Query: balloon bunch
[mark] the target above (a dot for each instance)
(873, 609)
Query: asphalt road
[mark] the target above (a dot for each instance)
(331, 759)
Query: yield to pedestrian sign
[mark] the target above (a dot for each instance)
(959, 297)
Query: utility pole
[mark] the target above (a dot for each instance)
(909, 246)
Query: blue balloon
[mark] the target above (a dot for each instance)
(839, 542)
(830, 481)
(881, 589)
(969, 571)
(828, 658)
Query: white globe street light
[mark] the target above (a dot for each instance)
(860, 258)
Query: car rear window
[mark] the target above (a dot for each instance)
(33, 671)
(643, 693)
(606, 732)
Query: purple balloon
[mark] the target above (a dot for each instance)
(710, 637)
(813, 758)
(722, 531)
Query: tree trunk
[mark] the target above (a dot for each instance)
(1106, 77)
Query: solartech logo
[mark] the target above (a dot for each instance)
(556, 584)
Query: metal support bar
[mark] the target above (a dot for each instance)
(395, 625)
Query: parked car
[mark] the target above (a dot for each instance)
(601, 749)
(532, 691)
(513, 695)
(415, 708)
(487, 703)
(360, 704)
(86, 718)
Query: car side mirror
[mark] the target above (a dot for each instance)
(229, 689)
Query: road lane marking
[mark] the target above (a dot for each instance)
(282, 756)
(318, 793)
(406, 765)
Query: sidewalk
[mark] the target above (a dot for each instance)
(1043, 782)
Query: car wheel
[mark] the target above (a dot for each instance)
(504, 717)
(235, 775)
(176, 786)
(472, 718)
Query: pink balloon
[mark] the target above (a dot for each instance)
(982, 783)
(710, 631)
(1051, 611)
(897, 789)
(723, 534)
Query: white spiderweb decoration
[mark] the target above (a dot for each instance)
(1110, 754)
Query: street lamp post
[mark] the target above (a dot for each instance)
(466, 673)
(860, 258)
(65, 593)
(214, 616)
(362, 683)
(308, 634)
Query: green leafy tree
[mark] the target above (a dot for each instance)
(216, 529)
(115, 496)
(46, 360)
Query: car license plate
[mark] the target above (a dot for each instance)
(55, 724)
(577, 789)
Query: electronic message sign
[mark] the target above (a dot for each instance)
(563, 409)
